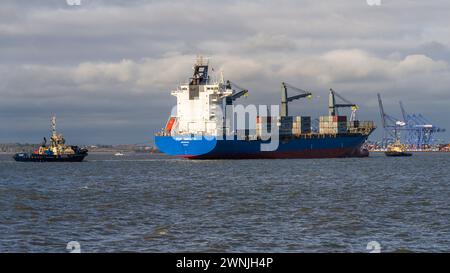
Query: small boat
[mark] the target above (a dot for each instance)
(118, 154)
(397, 149)
(57, 151)
(77, 156)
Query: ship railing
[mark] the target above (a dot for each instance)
(361, 127)
(162, 134)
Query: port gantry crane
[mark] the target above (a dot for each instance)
(285, 99)
(333, 106)
(416, 131)
(419, 131)
(391, 125)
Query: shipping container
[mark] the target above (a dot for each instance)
(353, 124)
(304, 123)
(333, 118)
(264, 126)
(333, 124)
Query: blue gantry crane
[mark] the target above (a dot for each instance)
(419, 131)
(391, 125)
(414, 130)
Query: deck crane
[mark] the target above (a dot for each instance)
(285, 99)
(333, 106)
(237, 92)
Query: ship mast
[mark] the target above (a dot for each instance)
(53, 125)
(57, 140)
(200, 76)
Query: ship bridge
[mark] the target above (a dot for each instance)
(198, 103)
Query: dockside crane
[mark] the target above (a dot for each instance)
(382, 113)
(404, 114)
(333, 106)
(391, 125)
(419, 131)
(285, 99)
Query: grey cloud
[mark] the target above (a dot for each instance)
(434, 50)
(108, 66)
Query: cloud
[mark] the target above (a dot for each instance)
(265, 42)
(348, 67)
(118, 60)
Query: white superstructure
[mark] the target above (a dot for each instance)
(198, 103)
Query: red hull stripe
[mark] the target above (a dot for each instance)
(325, 153)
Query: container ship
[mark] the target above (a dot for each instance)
(195, 130)
(56, 151)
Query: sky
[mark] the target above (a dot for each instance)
(106, 67)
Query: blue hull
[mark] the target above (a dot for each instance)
(305, 147)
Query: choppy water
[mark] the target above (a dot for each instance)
(160, 204)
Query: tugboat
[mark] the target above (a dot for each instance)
(57, 151)
(397, 149)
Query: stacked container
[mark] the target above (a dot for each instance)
(286, 125)
(353, 124)
(301, 125)
(332, 124)
(363, 127)
(263, 126)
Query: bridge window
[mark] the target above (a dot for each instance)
(194, 92)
